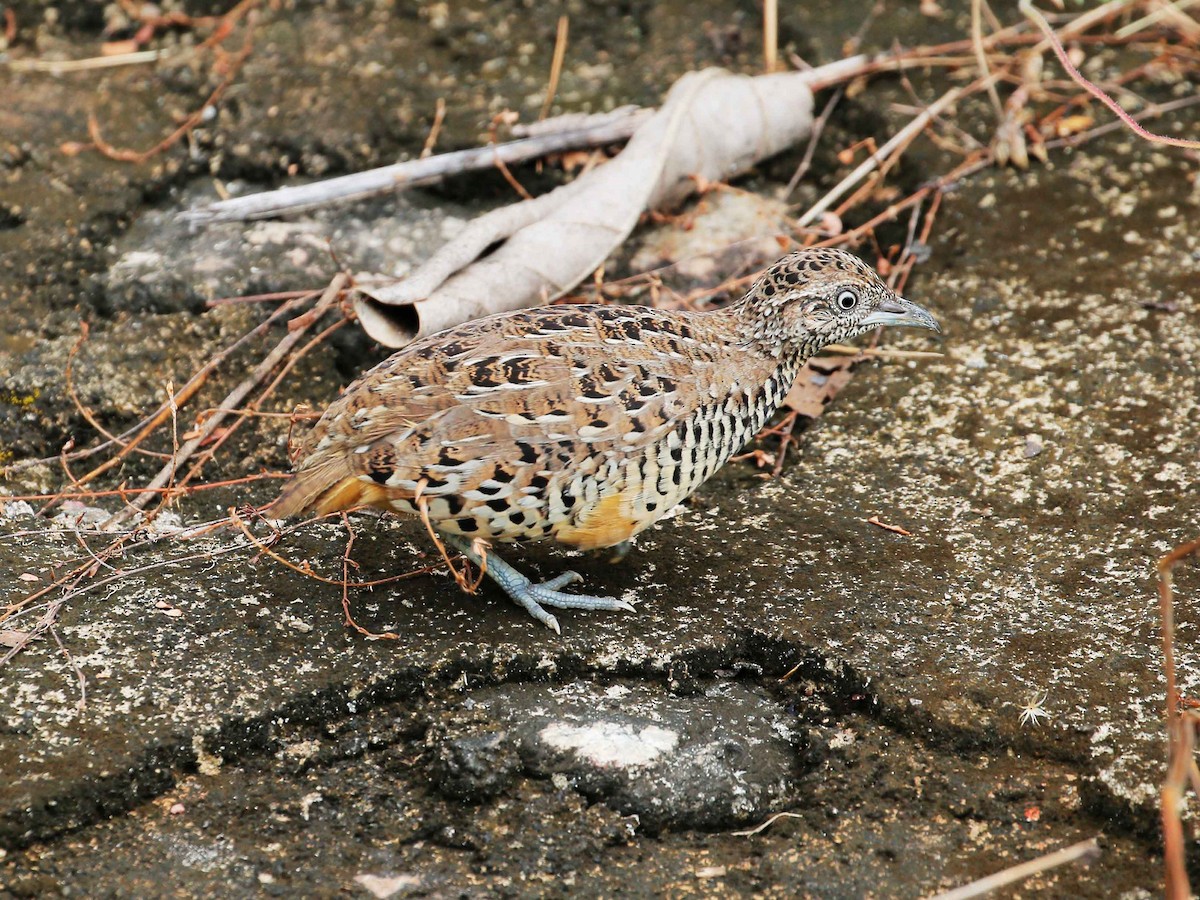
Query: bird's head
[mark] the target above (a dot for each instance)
(816, 297)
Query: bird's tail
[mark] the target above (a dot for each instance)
(324, 488)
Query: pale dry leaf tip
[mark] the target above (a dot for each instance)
(691, 141)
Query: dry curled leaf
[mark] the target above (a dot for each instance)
(856, 87)
(1069, 125)
(712, 126)
(1009, 144)
(580, 159)
(818, 382)
(831, 223)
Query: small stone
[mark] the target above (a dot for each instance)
(307, 802)
(164, 523)
(384, 886)
(475, 767)
(76, 515)
(843, 737)
(724, 755)
(1033, 445)
(16, 509)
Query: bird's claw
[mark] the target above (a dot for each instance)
(535, 596)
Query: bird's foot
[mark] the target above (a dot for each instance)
(534, 597)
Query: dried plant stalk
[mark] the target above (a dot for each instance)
(1181, 736)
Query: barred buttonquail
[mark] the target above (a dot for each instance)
(584, 424)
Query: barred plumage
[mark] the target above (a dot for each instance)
(584, 424)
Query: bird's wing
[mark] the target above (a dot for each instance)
(545, 389)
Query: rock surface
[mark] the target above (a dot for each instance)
(237, 737)
(724, 757)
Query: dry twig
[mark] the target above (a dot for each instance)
(593, 131)
(130, 439)
(461, 578)
(439, 114)
(236, 397)
(64, 66)
(1038, 19)
(1085, 851)
(556, 63)
(896, 529)
(767, 824)
(900, 139)
(84, 410)
(770, 35)
(1182, 730)
(235, 518)
(347, 562)
(232, 68)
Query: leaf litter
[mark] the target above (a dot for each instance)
(713, 125)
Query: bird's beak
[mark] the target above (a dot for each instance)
(898, 311)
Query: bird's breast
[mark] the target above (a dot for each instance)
(606, 471)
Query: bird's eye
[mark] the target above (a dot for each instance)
(847, 300)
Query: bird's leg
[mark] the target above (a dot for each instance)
(529, 595)
(620, 551)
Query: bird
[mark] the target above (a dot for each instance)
(580, 424)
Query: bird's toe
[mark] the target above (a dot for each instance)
(568, 577)
(549, 596)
